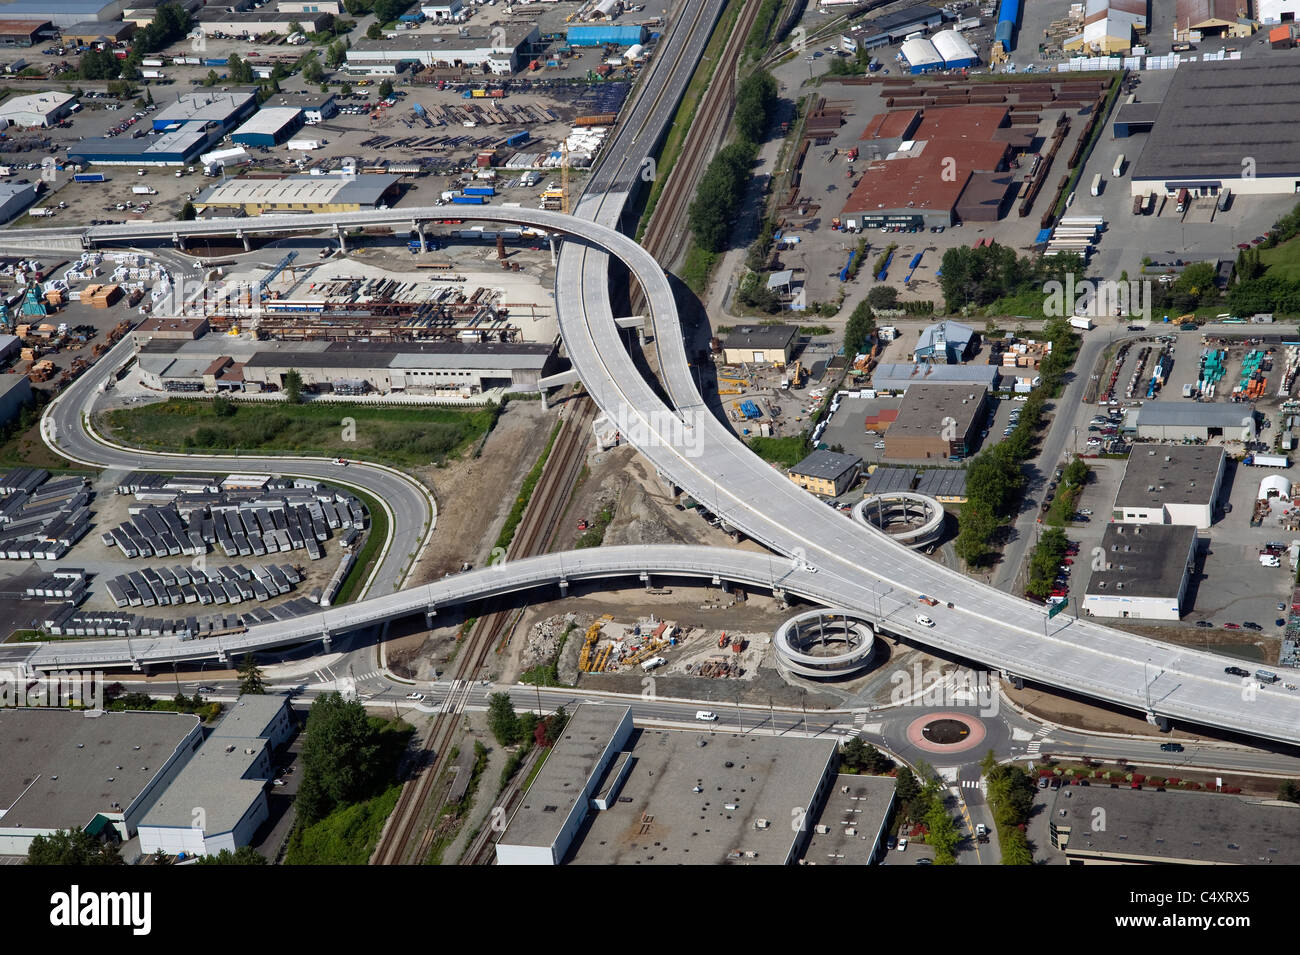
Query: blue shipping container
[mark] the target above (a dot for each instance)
(221, 62)
(88, 177)
(470, 200)
(600, 35)
(480, 191)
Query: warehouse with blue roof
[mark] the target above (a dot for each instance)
(603, 33)
(176, 148)
(1008, 17)
(269, 126)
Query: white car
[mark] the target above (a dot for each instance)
(880, 445)
(902, 844)
(707, 716)
(415, 696)
(924, 621)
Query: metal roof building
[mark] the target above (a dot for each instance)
(175, 148)
(36, 109)
(497, 51)
(1213, 115)
(557, 803)
(225, 109)
(62, 13)
(1174, 421)
(326, 193)
(62, 770)
(601, 34)
(269, 126)
(828, 473)
(900, 376)
(1170, 484)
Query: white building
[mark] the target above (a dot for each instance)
(557, 803)
(1277, 11)
(332, 7)
(36, 109)
(443, 11)
(1145, 574)
(498, 50)
(1170, 484)
(218, 800)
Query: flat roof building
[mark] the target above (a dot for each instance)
(1207, 123)
(726, 802)
(97, 33)
(15, 199)
(24, 32)
(1170, 484)
(218, 800)
(254, 23)
(855, 817)
(1147, 568)
(899, 376)
(269, 126)
(466, 368)
(36, 109)
(1109, 27)
(61, 13)
(497, 50)
(1179, 828)
(226, 109)
(316, 107)
(557, 803)
(937, 421)
(60, 769)
(759, 344)
(1193, 421)
(176, 148)
(325, 193)
(827, 473)
(1212, 17)
(890, 28)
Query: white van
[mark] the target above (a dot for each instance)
(708, 716)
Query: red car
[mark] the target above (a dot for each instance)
(1232, 626)
(1060, 592)
(1243, 245)
(1068, 561)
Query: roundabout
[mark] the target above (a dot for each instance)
(946, 732)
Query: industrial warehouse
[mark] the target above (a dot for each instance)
(1171, 484)
(500, 51)
(1205, 127)
(1144, 574)
(326, 193)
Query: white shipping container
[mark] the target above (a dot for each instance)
(307, 144)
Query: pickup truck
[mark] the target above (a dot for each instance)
(928, 601)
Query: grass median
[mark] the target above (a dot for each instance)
(401, 437)
(369, 552)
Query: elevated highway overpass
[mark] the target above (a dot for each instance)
(828, 557)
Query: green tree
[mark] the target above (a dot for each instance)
(244, 855)
(223, 407)
(72, 847)
(341, 757)
(99, 65)
(187, 212)
(883, 296)
(335, 54)
(755, 99)
(346, 89)
(312, 71)
(1015, 848)
(859, 329)
(942, 834)
(906, 786)
(1289, 791)
(375, 31)
(211, 79)
(385, 89)
(502, 719)
(251, 681)
(295, 27)
(293, 386)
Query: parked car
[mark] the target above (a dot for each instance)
(1171, 747)
(1236, 671)
(1251, 625)
(1232, 626)
(1205, 623)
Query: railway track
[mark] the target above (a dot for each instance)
(409, 832)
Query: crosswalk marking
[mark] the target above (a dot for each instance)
(970, 784)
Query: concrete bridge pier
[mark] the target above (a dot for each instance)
(178, 240)
(1017, 682)
(343, 242)
(418, 229)
(326, 640)
(564, 586)
(645, 579)
(551, 240)
(428, 619)
(1159, 722)
(244, 239)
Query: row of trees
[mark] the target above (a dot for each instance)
(978, 277)
(921, 801)
(1011, 797)
(347, 758)
(862, 757)
(722, 188)
(169, 24)
(511, 728)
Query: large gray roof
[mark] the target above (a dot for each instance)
(1217, 114)
(493, 355)
(1194, 414)
(56, 764)
(1159, 474)
(1143, 560)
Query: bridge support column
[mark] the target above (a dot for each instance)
(178, 240)
(136, 666)
(326, 640)
(1015, 681)
(343, 242)
(645, 579)
(223, 655)
(1159, 722)
(244, 239)
(779, 594)
(428, 618)
(551, 240)
(545, 406)
(564, 586)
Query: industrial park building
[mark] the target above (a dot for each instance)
(269, 126)
(227, 777)
(1194, 421)
(759, 344)
(226, 109)
(557, 803)
(901, 376)
(1147, 568)
(60, 769)
(316, 107)
(465, 367)
(15, 391)
(1205, 127)
(1109, 27)
(60, 13)
(943, 164)
(827, 473)
(256, 23)
(16, 198)
(176, 148)
(890, 28)
(1148, 826)
(937, 421)
(605, 33)
(499, 51)
(36, 109)
(326, 193)
(1170, 484)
